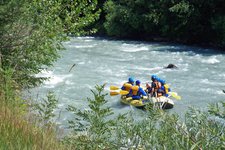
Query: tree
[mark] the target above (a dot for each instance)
(32, 32)
(189, 21)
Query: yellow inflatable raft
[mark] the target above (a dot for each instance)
(161, 102)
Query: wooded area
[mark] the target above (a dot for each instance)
(188, 21)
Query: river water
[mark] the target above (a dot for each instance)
(199, 79)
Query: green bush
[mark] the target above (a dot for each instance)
(32, 32)
(94, 128)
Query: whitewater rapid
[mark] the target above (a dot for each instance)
(199, 79)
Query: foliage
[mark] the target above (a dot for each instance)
(32, 32)
(218, 25)
(158, 130)
(185, 21)
(16, 132)
(16, 129)
(78, 15)
(45, 108)
(205, 129)
(218, 110)
(93, 121)
(9, 91)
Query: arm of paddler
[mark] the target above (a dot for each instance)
(143, 93)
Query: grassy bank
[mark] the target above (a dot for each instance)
(95, 128)
(17, 131)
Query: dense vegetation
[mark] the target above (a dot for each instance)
(187, 21)
(32, 32)
(94, 129)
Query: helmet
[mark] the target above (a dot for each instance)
(158, 79)
(163, 82)
(154, 77)
(138, 82)
(131, 80)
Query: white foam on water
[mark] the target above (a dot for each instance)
(44, 73)
(85, 37)
(222, 75)
(207, 90)
(133, 48)
(155, 68)
(81, 63)
(144, 68)
(211, 60)
(88, 40)
(53, 79)
(206, 81)
(67, 82)
(220, 92)
(82, 46)
(213, 83)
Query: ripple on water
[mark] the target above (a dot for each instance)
(210, 60)
(199, 78)
(133, 48)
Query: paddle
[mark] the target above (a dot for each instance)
(121, 92)
(175, 95)
(112, 87)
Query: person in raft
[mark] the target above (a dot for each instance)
(137, 91)
(164, 90)
(154, 87)
(127, 86)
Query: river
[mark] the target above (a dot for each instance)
(199, 79)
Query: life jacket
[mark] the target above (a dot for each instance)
(156, 87)
(135, 90)
(161, 91)
(166, 86)
(127, 86)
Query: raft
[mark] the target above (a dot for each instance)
(161, 102)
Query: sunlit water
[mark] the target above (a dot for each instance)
(199, 79)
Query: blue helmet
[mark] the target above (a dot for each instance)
(138, 82)
(158, 79)
(154, 77)
(163, 82)
(131, 80)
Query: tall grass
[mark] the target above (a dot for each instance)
(16, 131)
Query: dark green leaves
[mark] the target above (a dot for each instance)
(32, 32)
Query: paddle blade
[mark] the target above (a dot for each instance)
(122, 92)
(112, 87)
(174, 95)
(114, 93)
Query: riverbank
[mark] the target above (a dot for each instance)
(18, 130)
(163, 40)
